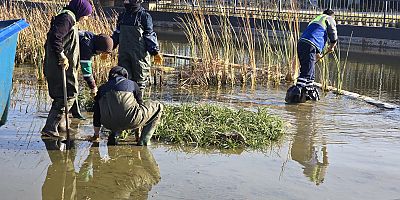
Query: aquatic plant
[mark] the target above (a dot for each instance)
(208, 125)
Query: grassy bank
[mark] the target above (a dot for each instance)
(218, 126)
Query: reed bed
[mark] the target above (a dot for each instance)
(229, 53)
(218, 126)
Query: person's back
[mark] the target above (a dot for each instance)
(118, 100)
(319, 30)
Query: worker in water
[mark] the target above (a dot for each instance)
(309, 49)
(119, 106)
(90, 45)
(137, 41)
(62, 53)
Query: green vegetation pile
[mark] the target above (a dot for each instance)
(218, 126)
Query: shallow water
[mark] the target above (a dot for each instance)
(337, 148)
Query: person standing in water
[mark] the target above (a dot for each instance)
(137, 41)
(309, 49)
(62, 53)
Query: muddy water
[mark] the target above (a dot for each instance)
(337, 148)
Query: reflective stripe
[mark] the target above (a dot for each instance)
(85, 61)
(87, 75)
(320, 19)
(302, 79)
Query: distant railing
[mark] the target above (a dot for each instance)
(382, 13)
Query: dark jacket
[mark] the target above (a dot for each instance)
(138, 18)
(87, 51)
(60, 26)
(116, 103)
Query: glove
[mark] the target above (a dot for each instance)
(103, 56)
(63, 61)
(158, 59)
(93, 91)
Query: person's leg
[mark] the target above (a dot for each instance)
(305, 81)
(153, 111)
(76, 111)
(53, 119)
(113, 137)
(124, 60)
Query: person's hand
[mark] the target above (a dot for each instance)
(331, 48)
(95, 138)
(93, 91)
(63, 61)
(158, 59)
(318, 56)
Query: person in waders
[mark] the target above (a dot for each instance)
(119, 106)
(137, 41)
(309, 48)
(90, 45)
(62, 53)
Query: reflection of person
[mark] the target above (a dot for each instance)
(309, 48)
(125, 173)
(305, 150)
(60, 182)
(62, 53)
(129, 173)
(119, 106)
(136, 39)
(90, 45)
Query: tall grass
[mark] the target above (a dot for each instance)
(229, 55)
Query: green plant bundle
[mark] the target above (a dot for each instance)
(218, 126)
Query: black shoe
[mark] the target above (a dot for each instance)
(78, 116)
(312, 94)
(295, 94)
(113, 139)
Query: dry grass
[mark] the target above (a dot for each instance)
(230, 55)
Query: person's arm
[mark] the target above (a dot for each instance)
(96, 116)
(150, 37)
(137, 93)
(115, 35)
(332, 33)
(86, 54)
(60, 27)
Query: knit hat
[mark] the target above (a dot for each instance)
(80, 8)
(103, 43)
(117, 71)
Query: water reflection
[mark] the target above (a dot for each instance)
(97, 172)
(307, 149)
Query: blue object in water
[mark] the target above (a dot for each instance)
(8, 44)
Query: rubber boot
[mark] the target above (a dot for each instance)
(113, 138)
(76, 112)
(150, 127)
(52, 122)
(62, 126)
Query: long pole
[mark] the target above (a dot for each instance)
(66, 106)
